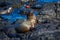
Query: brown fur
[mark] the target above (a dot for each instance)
(32, 21)
(22, 31)
(32, 17)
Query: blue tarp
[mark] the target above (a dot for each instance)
(48, 0)
(14, 16)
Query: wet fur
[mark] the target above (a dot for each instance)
(31, 18)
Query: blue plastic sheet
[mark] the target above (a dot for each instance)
(14, 16)
(48, 0)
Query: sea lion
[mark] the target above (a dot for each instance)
(28, 24)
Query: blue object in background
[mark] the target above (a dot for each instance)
(14, 16)
(48, 0)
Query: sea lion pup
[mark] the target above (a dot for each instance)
(7, 11)
(28, 24)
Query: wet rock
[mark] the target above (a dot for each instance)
(10, 32)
